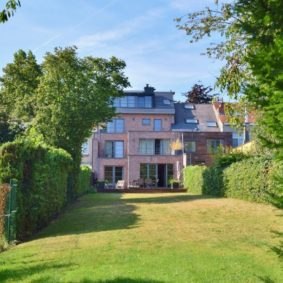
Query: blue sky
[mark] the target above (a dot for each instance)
(141, 32)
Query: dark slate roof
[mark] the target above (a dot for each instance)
(202, 112)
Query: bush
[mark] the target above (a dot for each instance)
(4, 189)
(213, 181)
(84, 185)
(193, 178)
(252, 179)
(41, 172)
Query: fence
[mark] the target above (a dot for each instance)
(8, 209)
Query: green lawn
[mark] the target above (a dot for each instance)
(152, 238)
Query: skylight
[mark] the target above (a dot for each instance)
(191, 121)
(211, 124)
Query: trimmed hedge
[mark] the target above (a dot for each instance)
(84, 185)
(247, 178)
(193, 178)
(252, 179)
(41, 172)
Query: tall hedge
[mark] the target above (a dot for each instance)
(252, 179)
(41, 172)
(193, 178)
(84, 185)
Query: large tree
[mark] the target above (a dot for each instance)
(251, 46)
(19, 84)
(74, 95)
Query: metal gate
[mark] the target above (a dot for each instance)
(8, 219)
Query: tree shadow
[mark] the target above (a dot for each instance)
(20, 274)
(266, 279)
(105, 212)
(278, 249)
(121, 280)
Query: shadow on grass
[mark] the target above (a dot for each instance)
(105, 212)
(20, 274)
(121, 280)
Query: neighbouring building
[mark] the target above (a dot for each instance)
(139, 142)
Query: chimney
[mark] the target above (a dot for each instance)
(149, 89)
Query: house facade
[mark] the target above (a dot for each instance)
(139, 142)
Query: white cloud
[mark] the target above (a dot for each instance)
(124, 30)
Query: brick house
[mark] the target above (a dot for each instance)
(137, 143)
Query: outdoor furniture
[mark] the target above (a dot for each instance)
(120, 185)
(148, 183)
(134, 185)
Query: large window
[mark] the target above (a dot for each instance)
(133, 102)
(213, 145)
(116, 126)
(154, 147)
(114, 149)
(190, 146)
(146, 121)
(157, 125)
(113, 174)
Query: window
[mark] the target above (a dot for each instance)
(114, 149)
(154, 147)
(191, 121)
(213, 145)
(133, 102)
(237, 139)
(166, 102)
(148, 101)
(189, 106)
(85, 148)
(157, 124)
(190, 146)
(145, 121)
(115, 126)
(146, 147)
(211, 124)
(113, 174)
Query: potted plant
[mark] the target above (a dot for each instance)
(175, 184)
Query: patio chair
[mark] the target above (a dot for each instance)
(120, 185)
(134, 184)
(148, 183)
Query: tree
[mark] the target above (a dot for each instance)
(9, 10)
(19, 86)
(199, 94)
(74, 95)
(251, 46)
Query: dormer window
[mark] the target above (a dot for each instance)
(191, 121)
(166, 102)
(189, 106)
(211, 124)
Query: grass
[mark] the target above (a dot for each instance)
(113, 238)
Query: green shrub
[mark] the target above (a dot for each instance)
(213, 181)
(252, 179)
(84, 185)
(193, 178)
(41, 172)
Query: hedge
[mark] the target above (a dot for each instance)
(253, 179)
(84, 185)
(41, 172)
(247, 178)
(193, 178)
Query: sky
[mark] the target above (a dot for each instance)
(141, 32)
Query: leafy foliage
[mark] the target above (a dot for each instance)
(199, 94)
(84, 180)
(42, 173)
(193, 178)
(9, 10)
(19, 84)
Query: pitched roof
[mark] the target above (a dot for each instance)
(203, 113)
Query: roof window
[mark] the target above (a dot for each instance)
(189, 106)
(191, 121)
(211, 124)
